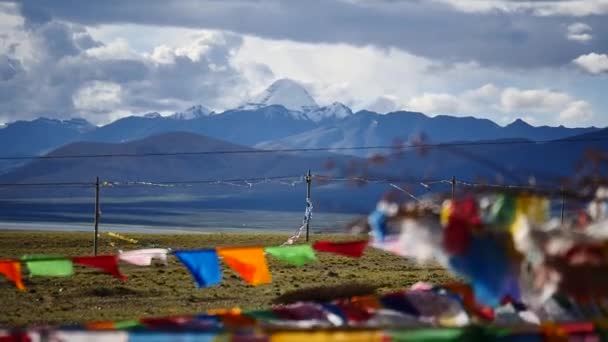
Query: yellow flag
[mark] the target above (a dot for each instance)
(328, 336)
(446, 211)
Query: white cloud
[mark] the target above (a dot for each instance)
(533, 105)
(9, 17)
(579, 32)
(593, 63)
(116, 49)
(169, 69)
(536, 100)
(576, 113)
(435, 103)
(99, 97)
(70, 73)
(163, 54)
(483, 93)
(576, 8)
(383, 104)
(353, 75)
(468, 102)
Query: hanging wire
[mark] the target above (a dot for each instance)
(317, 149)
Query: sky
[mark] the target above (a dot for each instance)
(543, 61)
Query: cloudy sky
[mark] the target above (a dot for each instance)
(544, 61)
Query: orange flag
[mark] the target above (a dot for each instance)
(12, 270)
(248, 262)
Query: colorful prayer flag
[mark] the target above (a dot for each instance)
(351, 248)
(171, 336)
(49, 266)
(107, 263)
(12, 271)
(425, 334)
(143, 257)
(324, 336)
(203, 265)
(296, 254)
(248, 262)
(503, 210)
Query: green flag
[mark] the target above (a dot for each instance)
(502, 212)
(129, 324)
(436, 334)
(296, 255)
(48, 266)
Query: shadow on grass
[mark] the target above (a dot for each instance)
(114, 291)
(326, 293)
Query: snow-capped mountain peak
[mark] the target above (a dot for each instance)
(335, 110)
(285, 92)
(193, 112)
(153, 115)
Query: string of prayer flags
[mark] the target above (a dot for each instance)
(353, 249)
(12, 271)
(143, 257)
(295, 254)
(48, 266)
(248, 262)
(203, 265)
(107, 263)
(122, 237)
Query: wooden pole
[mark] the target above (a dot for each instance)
(453, 188)
(96, 216)
(563, 204)
(308, 183)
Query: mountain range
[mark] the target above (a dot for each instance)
(283, 116)
(514, 161)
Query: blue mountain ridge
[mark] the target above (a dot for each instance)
(271, 127)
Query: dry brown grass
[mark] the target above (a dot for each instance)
(159, 291)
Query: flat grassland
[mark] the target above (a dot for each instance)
(90, 295)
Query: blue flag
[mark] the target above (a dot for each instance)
(203, 265)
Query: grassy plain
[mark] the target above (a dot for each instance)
(159, 290)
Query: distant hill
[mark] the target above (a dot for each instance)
(367, 128)
(245, 127)
(509, 161)
(38, 137)
(159, 168)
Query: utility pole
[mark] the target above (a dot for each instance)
(453, 188)
(96, 216)
(308, 183)
(563, 204)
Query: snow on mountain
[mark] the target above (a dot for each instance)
(79, 124)
(153, 115)
(284, 92)
(193, 112)
(335, 110)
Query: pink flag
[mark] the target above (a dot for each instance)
(143, 257)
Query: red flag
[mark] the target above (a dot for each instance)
(352, 248)
(12, 270)
(107, 263)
